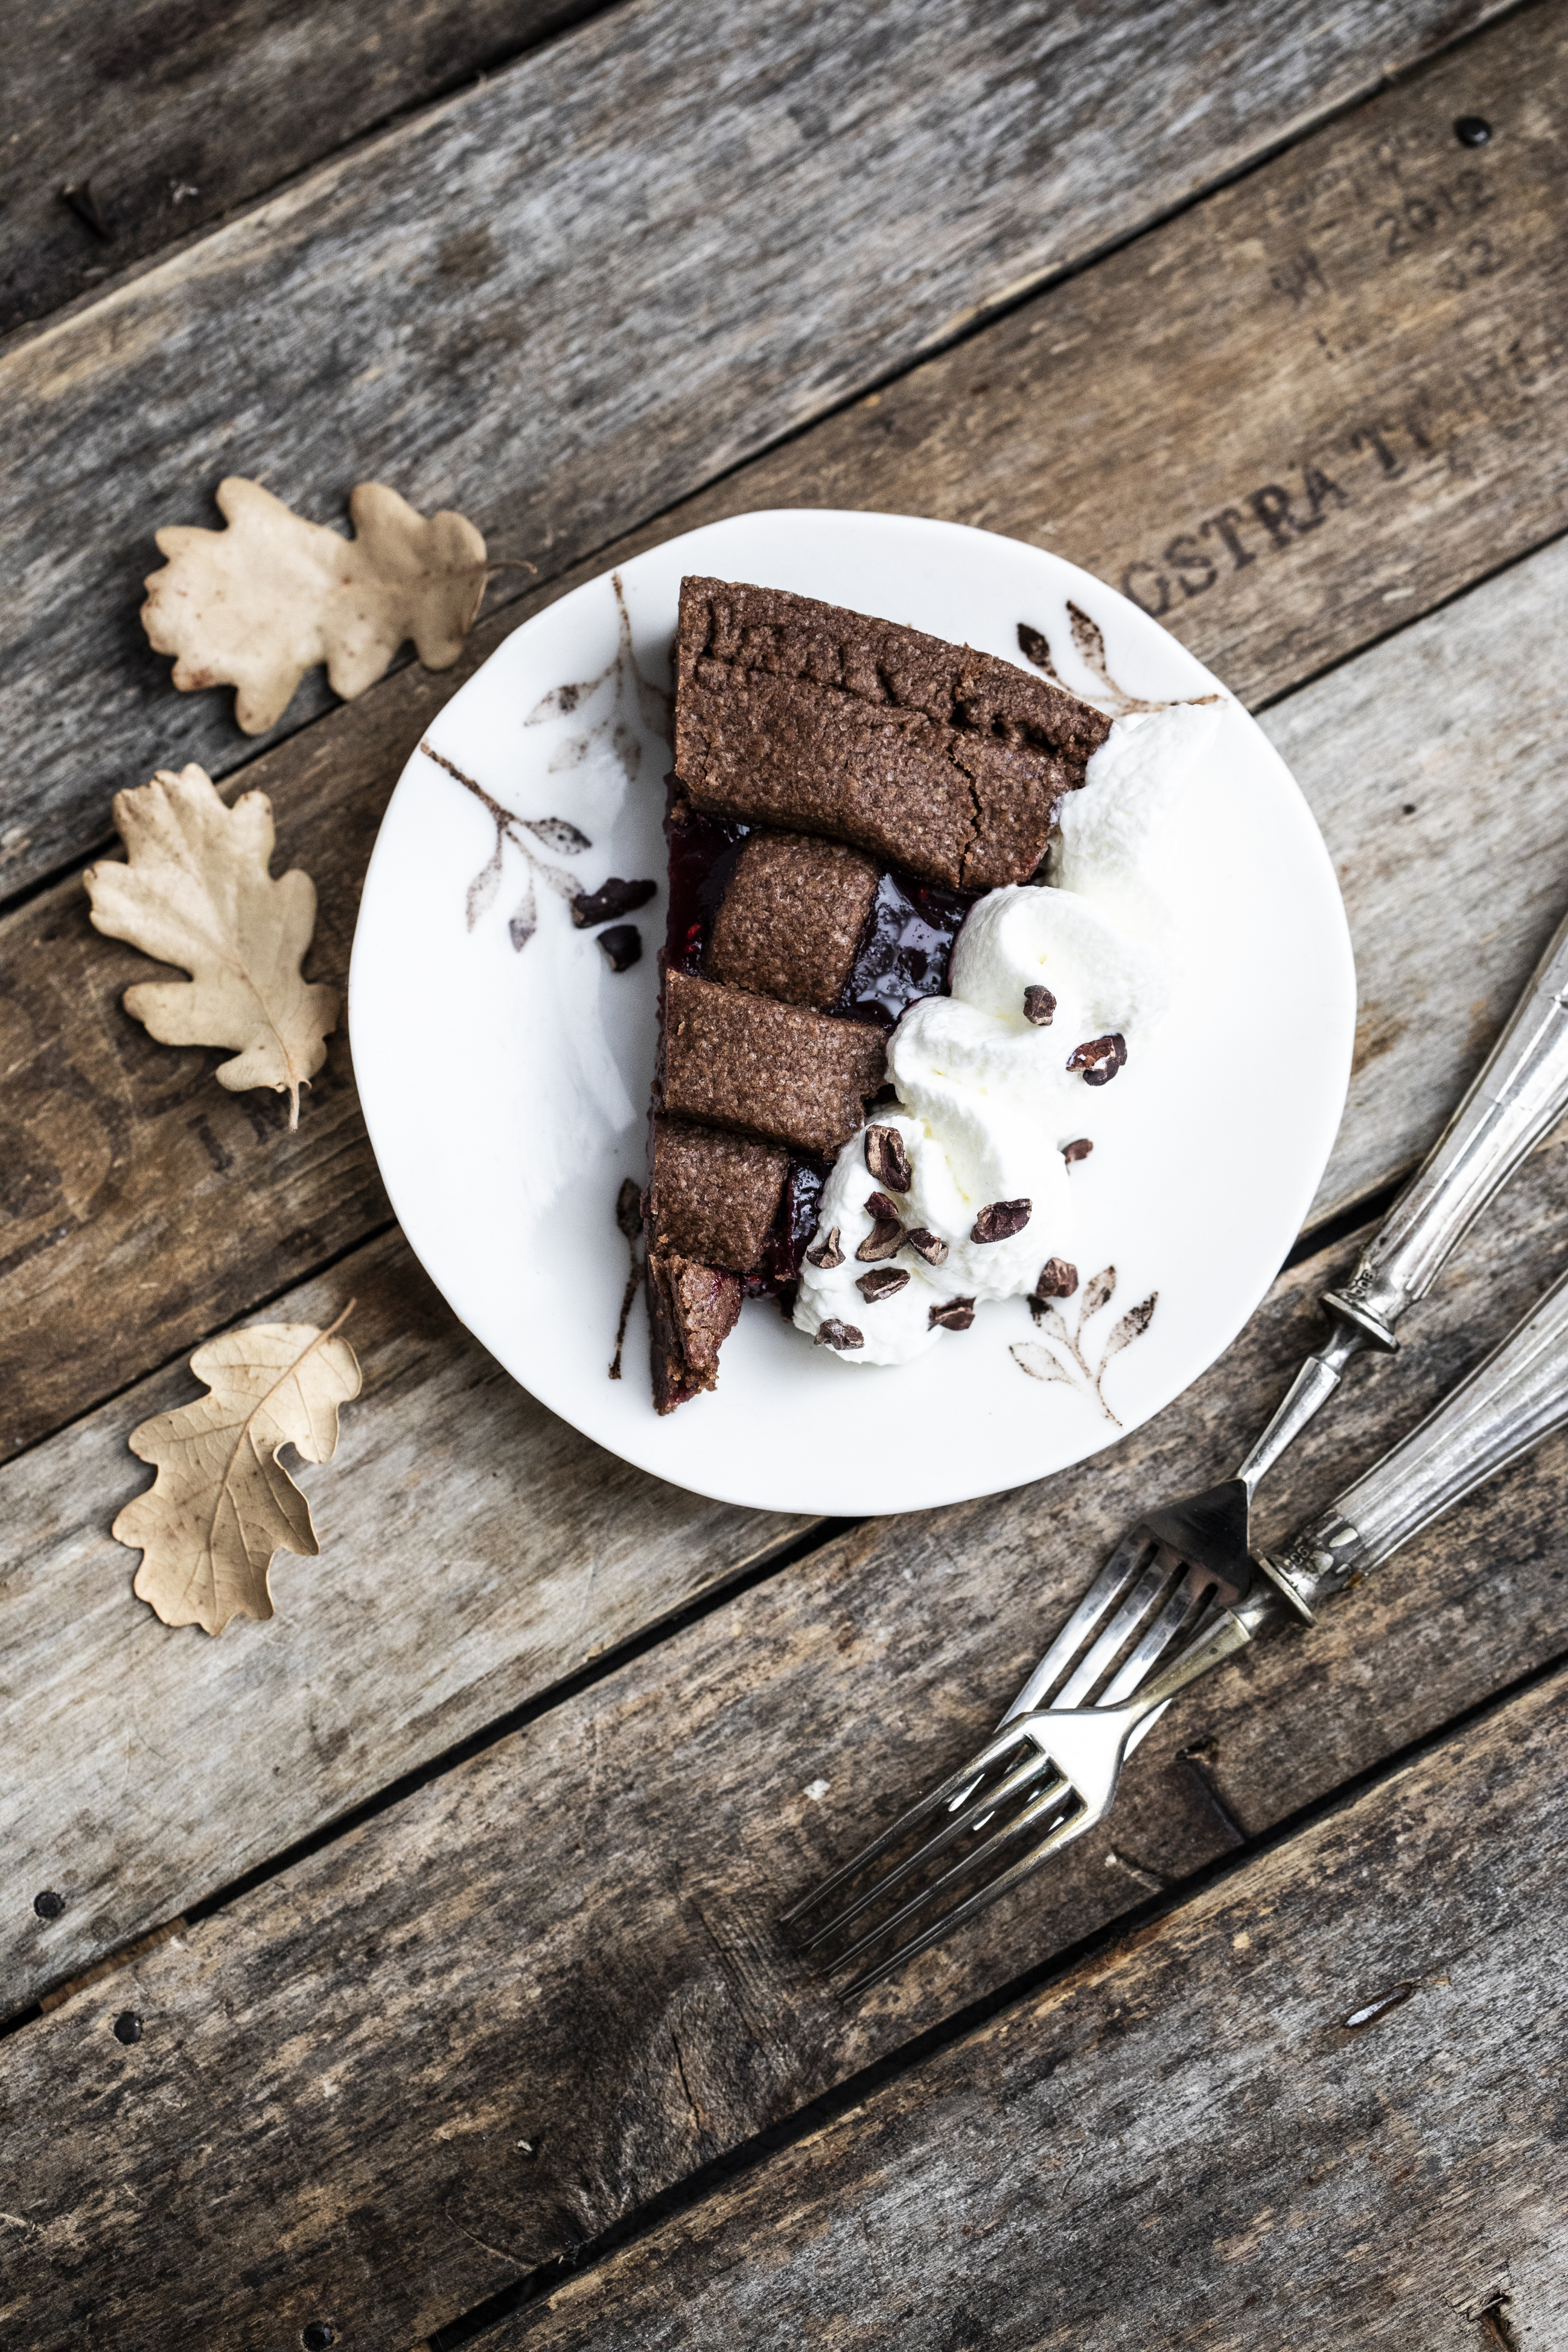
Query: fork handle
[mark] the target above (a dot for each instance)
(1523, 1091)
(1508, 1403)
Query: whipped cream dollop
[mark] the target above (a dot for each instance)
(986, 1100)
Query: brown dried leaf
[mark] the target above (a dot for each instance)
(257, 605)
(197, 893)
(222, 1503)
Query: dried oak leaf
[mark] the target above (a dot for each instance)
(197, 893)
(222, 1503)
(257, 605)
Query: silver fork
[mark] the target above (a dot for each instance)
(1055, 1770)
(1178, 1562)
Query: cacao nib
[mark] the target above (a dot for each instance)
(886, 1158)
(882, 1283)
(1039, 1007)
(999, 1220)
(952, 1315)
(927, 1245)
(617, 897)
(623, 945)
(886, 1237)
(1100, 1059)
(1058, 1279)
(834, 1333)
(1078, 1149)
(827, 1253)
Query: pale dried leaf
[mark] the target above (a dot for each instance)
(557, 834)
(1039, 1362)
(564, 885)
(222, 1503)
(1133, 1326)
(197, 893)
(1097, 1292)
(257, 605)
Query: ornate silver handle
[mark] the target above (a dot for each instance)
(1507, 1405)
(1520, 1093)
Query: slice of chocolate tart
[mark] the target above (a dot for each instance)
(843, 790)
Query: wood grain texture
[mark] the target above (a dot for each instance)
(163, 116)
(474, 1552)
(562, 300)
(121, 1247)
(468, 2035)
(1183, 2143)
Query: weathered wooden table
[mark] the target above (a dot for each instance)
(445, 1901)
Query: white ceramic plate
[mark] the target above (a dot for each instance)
(506, 1088)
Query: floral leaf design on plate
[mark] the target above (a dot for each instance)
(1088, 643)
(565, 839)
(652, 703)
(1133, 1326)
(523, 920)
(1097, 1292)
(1064, 1355)
(559, 833)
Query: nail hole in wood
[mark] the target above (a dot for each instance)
(1360, 2019)
(317, 2334)
(82, 198)
(1472, 131)
(128, 2026)
(48, 1904)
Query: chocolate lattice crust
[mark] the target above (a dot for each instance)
(712, 1196)
(791, 920)
(734, 1060)
(692, 1310)
(800, 714)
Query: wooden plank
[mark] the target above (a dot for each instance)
(162, 119)
(130, 1156)
(1432, 764)
(561, 300)
(475, 1551)
(567, 1940)
(1184, 2142)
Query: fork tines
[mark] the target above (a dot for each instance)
(1157, 1596)
(998, 1790)
(1144, 1600)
